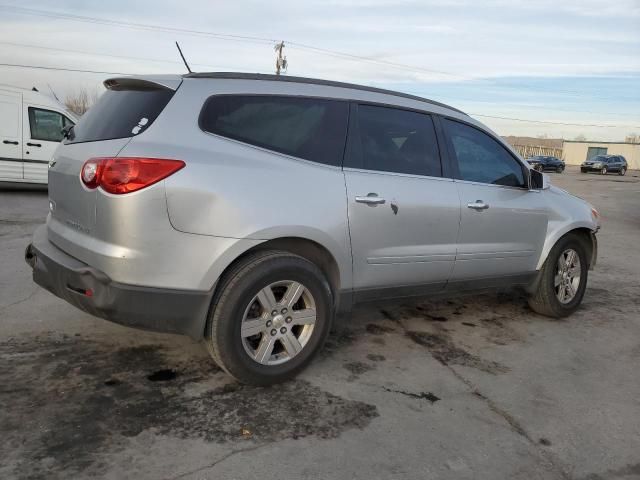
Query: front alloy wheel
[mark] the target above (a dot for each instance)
(567, 278)
(623, 171)
(562, 280)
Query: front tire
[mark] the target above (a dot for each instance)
(563, 278)
(622, 171)
(271, 314)
(559, 170)
(603, 171)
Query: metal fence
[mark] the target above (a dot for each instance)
(527, 151)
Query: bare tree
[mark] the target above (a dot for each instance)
(632, 138)
(80, 101)
(580, 138)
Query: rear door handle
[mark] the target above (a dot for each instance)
(9, 142)
(478, 205)
(371, 199)
(34, 144)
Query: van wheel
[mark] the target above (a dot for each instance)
(269, 317)
(563, 279)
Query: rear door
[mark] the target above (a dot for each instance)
(503, 223)
(403, 213)
(42, 135)
(10, 136)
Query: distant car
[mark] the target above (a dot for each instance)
(605, 164)
(543, 162)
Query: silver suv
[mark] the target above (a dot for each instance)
(247, 210)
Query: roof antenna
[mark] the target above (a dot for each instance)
(183, 59)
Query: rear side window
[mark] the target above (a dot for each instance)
(47, 125)
(482, 159)
(309, 128)
(393, 140)
(121, 114)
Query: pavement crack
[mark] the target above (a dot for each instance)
(220, 460)
(17, 302)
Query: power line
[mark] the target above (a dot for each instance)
(553, 123)
(61, 69)
(98, 54)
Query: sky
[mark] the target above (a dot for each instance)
(540, 65)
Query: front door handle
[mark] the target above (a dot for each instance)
(478, 205)
(34, 144)
(9, 142)
(371, 199)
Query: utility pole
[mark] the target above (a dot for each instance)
(281, 62)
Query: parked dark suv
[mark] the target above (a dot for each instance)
(605, 164)
(542, 162)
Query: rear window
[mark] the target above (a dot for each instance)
(121, 114)
(309, 128)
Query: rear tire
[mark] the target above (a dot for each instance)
(285, 339)
(603, 171)
(549, 298)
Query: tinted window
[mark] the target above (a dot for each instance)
(121, 114)
(47, 125)
(393, 140)
(309, 128)
(481, 158)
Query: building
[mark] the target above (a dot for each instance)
(575, 152)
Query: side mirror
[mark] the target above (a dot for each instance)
(539, 180)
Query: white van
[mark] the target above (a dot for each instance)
(31, 126)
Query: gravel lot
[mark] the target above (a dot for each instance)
(473, 387)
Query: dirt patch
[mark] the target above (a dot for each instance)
(376, 358)
(447, 353)
(357, 368)
(498, 331)
(377, 329)
(74, 400)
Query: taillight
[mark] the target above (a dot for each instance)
(126, 174)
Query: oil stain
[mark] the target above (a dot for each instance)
(377, 329)
(447, 353)
(73, 401)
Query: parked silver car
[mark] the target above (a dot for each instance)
(247, 210)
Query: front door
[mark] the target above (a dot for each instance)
(42, 134)
(10, 136)
(503, 223)
(403, 214)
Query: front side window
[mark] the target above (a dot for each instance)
(482, 159)
(310, 128)
(47, 125)
(393, 140)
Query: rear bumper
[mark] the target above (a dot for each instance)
(157, 309)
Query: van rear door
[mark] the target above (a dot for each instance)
(10, 136)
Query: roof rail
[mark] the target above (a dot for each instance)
(313, 81)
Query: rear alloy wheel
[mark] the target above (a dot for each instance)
(270, 315)
(603, 171)
(563, 278)
(622, 171)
